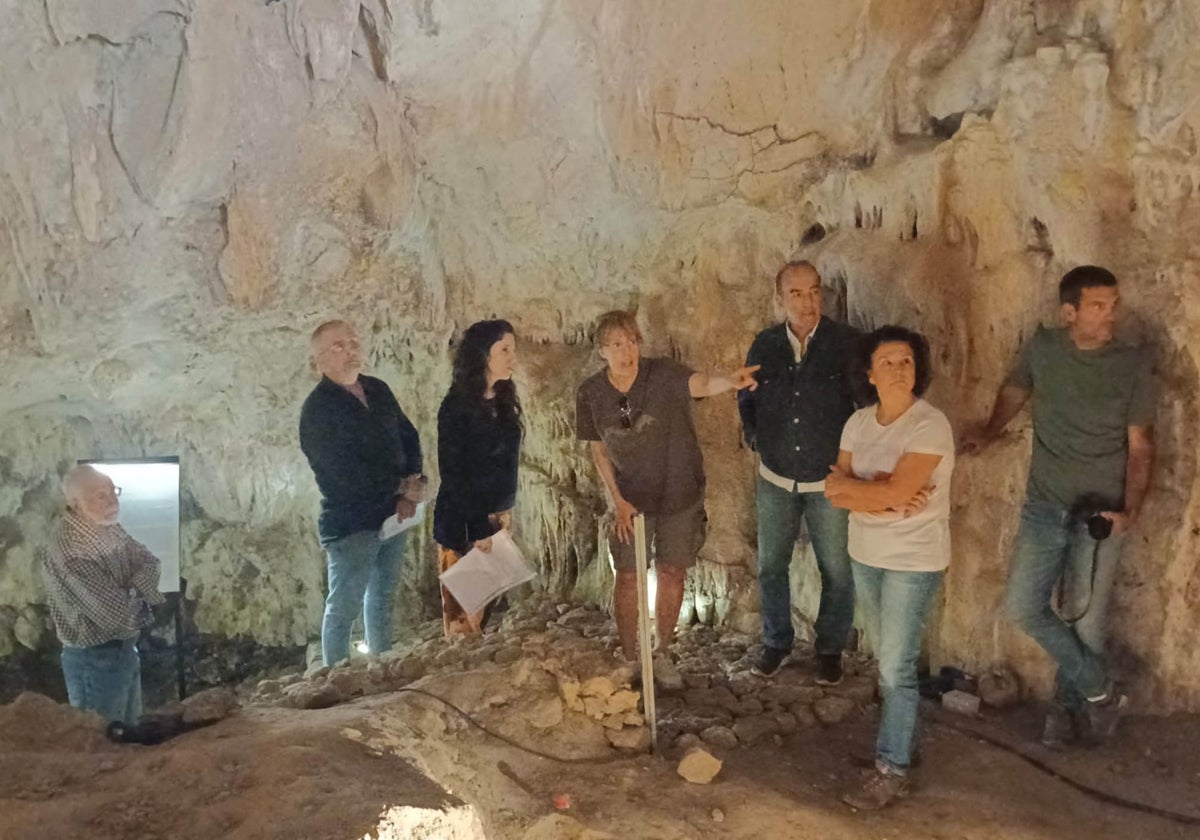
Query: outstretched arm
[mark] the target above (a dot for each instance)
(710, 384)
(1009, 401)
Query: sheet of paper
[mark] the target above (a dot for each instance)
(479, 577)
(393, 525)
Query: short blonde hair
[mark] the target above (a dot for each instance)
(617, 319)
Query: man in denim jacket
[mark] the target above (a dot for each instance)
(794, 421)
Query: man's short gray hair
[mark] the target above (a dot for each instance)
(795, 265)
(326, 327)
(76, 479)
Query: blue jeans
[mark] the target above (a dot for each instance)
(895, 609)
(105, 679)
(780, 513)
(1051, 547)
(362, 575)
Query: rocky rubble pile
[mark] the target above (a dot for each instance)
(558, 665)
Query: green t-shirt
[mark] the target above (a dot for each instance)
(1084, 402)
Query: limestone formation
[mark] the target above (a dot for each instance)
(187, 188)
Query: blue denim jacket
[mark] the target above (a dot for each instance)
(794, 418)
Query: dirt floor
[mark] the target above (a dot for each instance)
(401, 765)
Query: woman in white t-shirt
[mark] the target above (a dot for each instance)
(893, 474)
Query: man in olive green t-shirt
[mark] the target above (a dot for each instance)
(1093, 411)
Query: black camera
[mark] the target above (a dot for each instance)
(1088, 511)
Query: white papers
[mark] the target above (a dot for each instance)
(478, 577)
(393, 525)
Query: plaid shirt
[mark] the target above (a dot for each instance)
(100, 582)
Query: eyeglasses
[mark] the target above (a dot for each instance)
(104, 493)
(626, 412)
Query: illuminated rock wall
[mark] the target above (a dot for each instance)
(187, 188)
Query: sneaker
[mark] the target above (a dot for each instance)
(1103, 715)
(829, 668)
(666, 674)
(880, 788)
(1060, 728)
(770, 661)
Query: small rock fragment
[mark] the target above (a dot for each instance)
(721, 737)
(601, 687)
(699, 766)
(621, 701)
(507, 655)
(960, 702)
(754, 728)
(209, 706)
(632, 738)
(545, 713)
(831, 710)
(318, 696)
(686, 741)
(804, 714)
(999, 688)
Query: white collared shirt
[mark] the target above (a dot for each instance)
(798, 346)
(790, 484)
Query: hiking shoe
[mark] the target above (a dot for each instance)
(881, 787)
(1103, 715)
(770, 661)
(829, 668)
(666, 674)
(1061, 727)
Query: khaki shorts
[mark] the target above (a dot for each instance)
(672, 539)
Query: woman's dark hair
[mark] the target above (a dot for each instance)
(869, 343)
(470, 368)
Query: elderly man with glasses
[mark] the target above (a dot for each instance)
(636, 415)
(100, 584)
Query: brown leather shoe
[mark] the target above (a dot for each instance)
(880, 788)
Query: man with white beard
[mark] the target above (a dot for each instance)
(100, 584)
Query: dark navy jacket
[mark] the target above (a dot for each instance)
(794, 418)
(358, 453)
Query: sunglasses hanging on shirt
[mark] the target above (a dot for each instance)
(626, 412)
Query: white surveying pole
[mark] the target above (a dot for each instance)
(644, 650)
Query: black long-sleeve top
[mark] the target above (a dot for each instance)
(478, 453)
(359, 454)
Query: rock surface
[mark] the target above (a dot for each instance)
(211, 184)
(699, 766)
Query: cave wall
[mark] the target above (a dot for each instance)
(187, 188)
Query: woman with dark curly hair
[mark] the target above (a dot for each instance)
(893, 475)
(479, 446)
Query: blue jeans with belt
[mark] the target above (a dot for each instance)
(1050, 548)
(106, 679)
(780, 514)
(362, 575)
